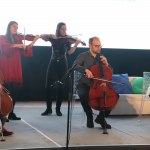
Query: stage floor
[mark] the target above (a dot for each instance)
(36, 131)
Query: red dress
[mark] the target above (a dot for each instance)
(10, 61)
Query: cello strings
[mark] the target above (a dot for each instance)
(5, 89)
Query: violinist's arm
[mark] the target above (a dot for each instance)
(34, 40)
(47, 37)
(72, 49)
(18, 46)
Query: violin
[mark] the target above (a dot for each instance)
(73, 40)
(67, 38)
(19, 37)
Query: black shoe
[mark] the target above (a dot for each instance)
(12, 116)
(90, 123)
(46, 112)
(7, 133)
(102, 122)
(58, 113)
(7, 120)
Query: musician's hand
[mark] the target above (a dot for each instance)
(20, 46)
(103, 84)
(53, 36)
(1, 88)
(36, 37)
(104, 60)
(88, 73)
(77, 42)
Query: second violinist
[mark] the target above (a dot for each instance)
(11, 48)
(57, 66)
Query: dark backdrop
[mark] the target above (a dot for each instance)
(131, 61)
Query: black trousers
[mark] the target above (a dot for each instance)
(83, 92)
(13, 88)
(54, 82)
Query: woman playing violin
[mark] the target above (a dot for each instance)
(11, 48)
(83, 64)
(57, 66)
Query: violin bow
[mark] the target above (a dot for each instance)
(100, 79)
(24, 38)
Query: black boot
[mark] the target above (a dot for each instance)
(90, 123)
(47, 112)
(58, 112)
(12, 116)
(101, 120)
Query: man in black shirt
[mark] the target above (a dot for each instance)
(83, 64)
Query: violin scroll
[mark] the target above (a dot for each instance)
(73, 40)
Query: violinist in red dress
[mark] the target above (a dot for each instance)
(87, 88)
(57, 67)
(11, 48)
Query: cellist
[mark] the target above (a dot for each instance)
(83, 64)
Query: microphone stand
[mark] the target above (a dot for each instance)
(68, 77)
(69, 113)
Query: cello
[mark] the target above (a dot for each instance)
(102, 96)
(6, 104)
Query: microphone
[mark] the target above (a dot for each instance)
(74, 66)
(56, 83)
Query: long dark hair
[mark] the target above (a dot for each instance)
(8, 33)
(59, 25)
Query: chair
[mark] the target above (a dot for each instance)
(146, 90)
(76, 77)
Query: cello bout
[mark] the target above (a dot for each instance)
(6, 104)
(102, 98)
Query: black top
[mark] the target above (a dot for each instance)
(85, 61)
(59, 47)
